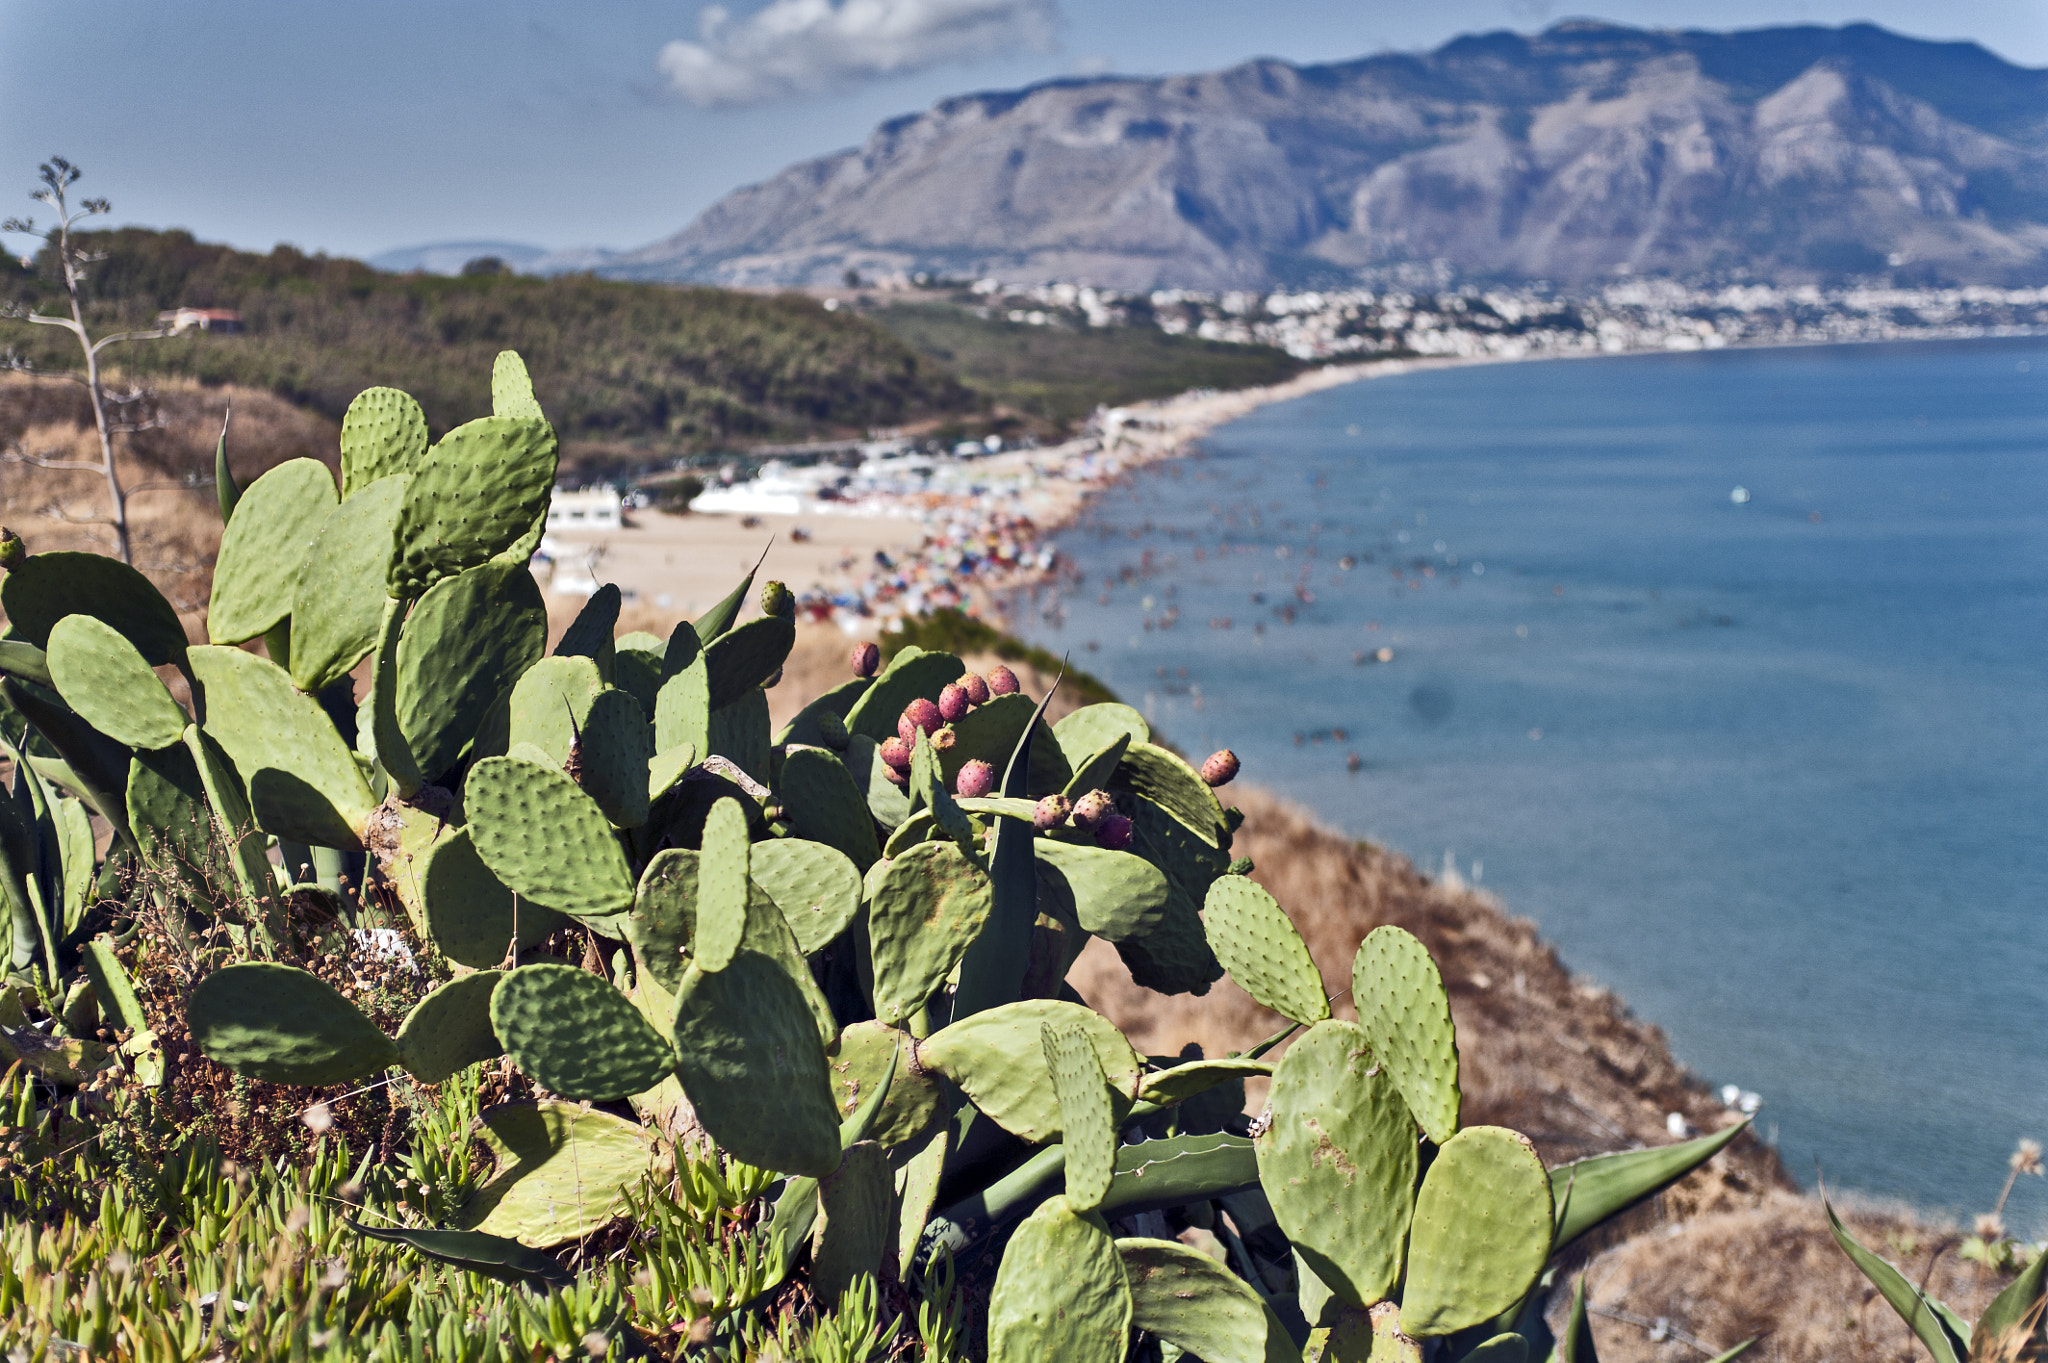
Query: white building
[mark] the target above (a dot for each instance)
(595, 509)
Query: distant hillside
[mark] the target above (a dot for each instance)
(617, 365)
(448, 257)
(1590, 150)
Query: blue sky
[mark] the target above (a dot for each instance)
(355, 127)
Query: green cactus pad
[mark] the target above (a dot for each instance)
(930, 793)
(1260, 947)
(337, 605)
(472, 496)
(815, 886)
(303, 782)
(283, 1025)
(920, 1192)
(1173, 785)
(383, 433)
(1174, 958)
(450, 1029)
(570, 1031)
(1060, 1292)
(912, 674)
(1087, 1120)
(561, 1172)
(1374, 1336)
(682, 709)
(665, 769)
(824, 805)
(753, 1066)
(1182, 1082)
(165, 804)
(860, 1058)
(1197, 1305)
(739, 731)
(1509, 1348)
(468, 911)
(1116, 895)
(739, 660)
(990, 732)
(637, 672)
(233, 824)
(466, 643)
(617, 745)
(545, 839)
(263, 548)
(550, 701)
(887, 804)
(928, 908)
(44, 588)
(1094, 772)
(663, 920)
(1481, 1232)
(102, 677)
(1092, 728)
(722, 887)
(511, 389)
(804, 728)
(854, 1221)
(1338, 1162)
(1403, 1007)
(996, 1058)
(590, 634)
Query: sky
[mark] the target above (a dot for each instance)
(356, 127)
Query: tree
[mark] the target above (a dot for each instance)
(74, 263)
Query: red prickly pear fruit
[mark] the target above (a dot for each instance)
(976, 779)
(919, 714)
(1052, 811)
(1220, 768)
(975, 687)
(953, 702)
(896, 754)
(1114, 833)
(1091, 809)
(866, 658)
(896, 776)
(1002, 682)
(944, 738)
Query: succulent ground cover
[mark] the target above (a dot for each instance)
(689, 1035)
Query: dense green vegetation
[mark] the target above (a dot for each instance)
(1063, 373)
(617, 364)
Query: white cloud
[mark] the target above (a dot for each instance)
(799, 47)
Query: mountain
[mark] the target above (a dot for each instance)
(448, 257)
(1586, 151)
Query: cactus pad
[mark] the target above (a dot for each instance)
(450, 1029)
(663, 919)
(303, 782)
(561, 1172)
(469, 913)
(1338, 1162)
(740, 731)
(1116, 895)
(861, 1058)
(617, 745)
(912, 674)
(467, 641)
(815, 886)
(739, 660)
(1182, 1082)
(1092, 728)
(549, 702)
(1509, 1348)
(472, 496)
(1258, 944)
(545, 839)
(384, 432)
(1087, 1123)
(929, 906)
(570, 1031)
(1094, 771)
(263, 548)
(854, 1221)
(1176, 787)
(511, 389)
(337, 604)
(991, 733)
(285, 1026)
(1197, 1305)
(824, 805)
(996, 1057)
(1481, 1233)
(750, 1060)
(1403, 1007)
(722, 886)
(102, 676)
(1060, 1292)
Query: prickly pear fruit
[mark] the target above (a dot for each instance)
(832, 729)
(866, 659)
(1220, 768)
(920, 714)
(1115, 833)
(778, 600)
(896, 752)
(12, 549)
(895, 776)
(976, 779)
(1052, 811)
(1002, 681)
(1091, 809)
(976, 689)
(953, 701)
(944, 739)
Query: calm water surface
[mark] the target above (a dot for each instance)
(1775, 770)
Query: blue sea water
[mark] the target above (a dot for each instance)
(1775, 770)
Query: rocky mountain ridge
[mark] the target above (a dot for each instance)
(1577, 155)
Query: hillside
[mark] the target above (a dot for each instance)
(618, 365)
(1590, 150)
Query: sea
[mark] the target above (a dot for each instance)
(1729, 669)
